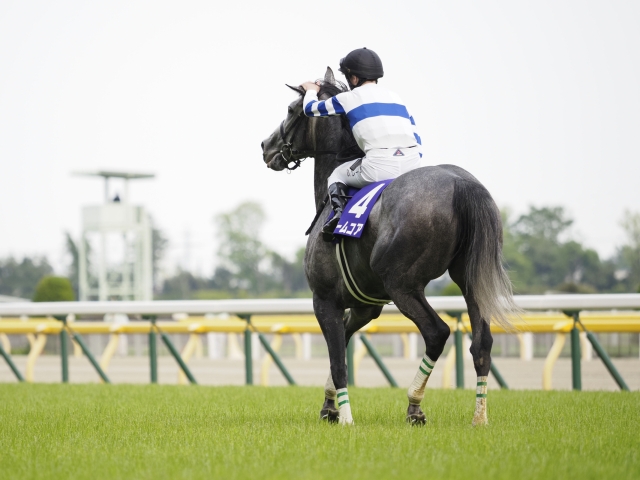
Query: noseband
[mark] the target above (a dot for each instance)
(291, 155)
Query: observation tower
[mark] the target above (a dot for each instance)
(115, 247)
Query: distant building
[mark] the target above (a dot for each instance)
(117, 265)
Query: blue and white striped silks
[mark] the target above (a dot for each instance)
(378, 118)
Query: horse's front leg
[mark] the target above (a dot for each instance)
(354, 320)
(330, 318)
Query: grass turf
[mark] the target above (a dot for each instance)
(131, 431)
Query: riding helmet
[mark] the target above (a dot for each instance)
(362, 63)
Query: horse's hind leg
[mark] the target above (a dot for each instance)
(435, 333)
(354, 320)
(481, 344)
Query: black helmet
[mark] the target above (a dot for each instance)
(362, 63)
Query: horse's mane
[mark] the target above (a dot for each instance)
(350, 148)
(331, 89)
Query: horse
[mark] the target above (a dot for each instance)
(428, 221)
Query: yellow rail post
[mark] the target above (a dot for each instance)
(449, 363)
(297, 340)
(276, 343)
(199, 352)
(77, 349)
(108, 352)
(34, 353)
(187, 352)
(359, 353)
(6, 344)
(406, 348)
(549, 363)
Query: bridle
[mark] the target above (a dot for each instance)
(291, 155)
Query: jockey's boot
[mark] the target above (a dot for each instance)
(338, 198)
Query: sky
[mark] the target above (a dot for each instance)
(538, 99)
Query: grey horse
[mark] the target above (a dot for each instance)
(426, 222)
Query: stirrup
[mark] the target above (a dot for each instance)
(329, 227)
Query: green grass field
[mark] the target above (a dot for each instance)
(127, 431)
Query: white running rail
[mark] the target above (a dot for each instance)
(301, 306)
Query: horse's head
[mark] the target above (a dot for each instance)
(277, 150)
(294, 140)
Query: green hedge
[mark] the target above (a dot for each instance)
(54, 289)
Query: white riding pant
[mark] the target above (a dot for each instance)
(378, 165)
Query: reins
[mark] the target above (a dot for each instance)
(290, 154)
(296, 157)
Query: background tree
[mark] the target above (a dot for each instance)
(182, 285)
(451, 290)
(73, 268)
(290, 275)
(541, 256)
(54, 289)
(159, 244)
(629, 254)
(246, 266)
(537, 236)
(518, 265)
(241, 252)
(19, 278)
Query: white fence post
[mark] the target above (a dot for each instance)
(526, 346)
(306, 346)
(413, 346)
(256, 347)
(586, 347)
(216, 345)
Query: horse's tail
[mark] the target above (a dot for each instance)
(479, 241)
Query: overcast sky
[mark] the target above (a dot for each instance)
(540, 100)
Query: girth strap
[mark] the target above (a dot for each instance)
(350, 282)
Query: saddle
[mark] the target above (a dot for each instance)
(357, 210)
(354, 217)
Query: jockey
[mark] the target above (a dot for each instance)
(381, 125)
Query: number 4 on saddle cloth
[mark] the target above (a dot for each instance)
(356, 212)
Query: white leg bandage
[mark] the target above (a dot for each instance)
(480, 415)
(416, 390)
(330, 389)
(344, 406)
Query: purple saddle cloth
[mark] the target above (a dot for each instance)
(356, 212)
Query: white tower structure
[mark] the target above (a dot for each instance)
(115, 248)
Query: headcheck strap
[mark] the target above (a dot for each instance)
(350, 282)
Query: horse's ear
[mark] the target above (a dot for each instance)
(329, 77)
(299, 90)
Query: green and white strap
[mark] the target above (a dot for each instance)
(426, 366)
(342, 396)
(344, 406)
(481, 388)
(416, 389)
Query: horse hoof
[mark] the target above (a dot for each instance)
(346, 421)
(479, 421)
(417, 419)
(330, 415)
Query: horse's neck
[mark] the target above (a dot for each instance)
(328, 138)
(324, 165)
